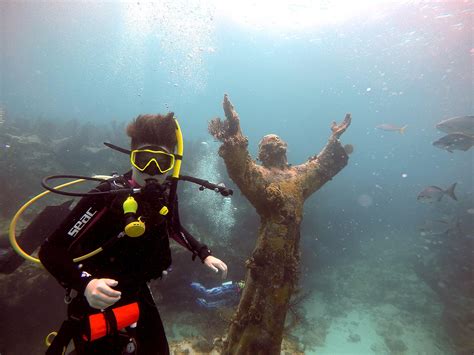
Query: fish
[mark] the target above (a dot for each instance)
(431, 194)
(391, 128)
(459, 124)
(435, 227)
(455, 141)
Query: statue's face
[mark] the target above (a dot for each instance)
(272, 151)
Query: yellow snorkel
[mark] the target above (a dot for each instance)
(177, 167)
(179, 151)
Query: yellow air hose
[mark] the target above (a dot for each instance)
(12, 234)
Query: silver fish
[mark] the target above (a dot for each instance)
(431, 194)
(455, 141)
(391, 128)
(459, 124)
(433, 227)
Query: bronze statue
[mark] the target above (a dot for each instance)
(278, 191)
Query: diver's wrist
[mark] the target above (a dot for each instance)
(85, 279)
(203, 253)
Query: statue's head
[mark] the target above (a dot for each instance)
(272, 152)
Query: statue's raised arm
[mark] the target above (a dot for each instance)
(228, 130)
(242, 169)
(324, 166)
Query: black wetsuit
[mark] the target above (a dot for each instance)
(95, 222)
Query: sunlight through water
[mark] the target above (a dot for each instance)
(176, 34)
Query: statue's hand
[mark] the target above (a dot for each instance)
(228, 128)
(232, 122)
(339, 129)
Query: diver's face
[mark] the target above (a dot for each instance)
(151, 172)
(141, 177)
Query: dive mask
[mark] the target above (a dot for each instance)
(141, 159)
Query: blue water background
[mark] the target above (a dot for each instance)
(410, 65)
(85, 61)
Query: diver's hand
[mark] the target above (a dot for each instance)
(216, 264)
(100, 294)
(339, 129)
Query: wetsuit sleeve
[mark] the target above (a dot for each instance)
(197, 248)
(55, 254)
(184, 238)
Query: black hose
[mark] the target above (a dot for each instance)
(224, 191)
(79, 194)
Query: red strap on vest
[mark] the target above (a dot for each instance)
(124, 316)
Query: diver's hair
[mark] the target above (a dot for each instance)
(153, 129)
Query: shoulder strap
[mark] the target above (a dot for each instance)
(116, 183)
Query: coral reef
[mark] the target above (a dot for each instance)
(33, 149)
(198, 346)
(446, 266)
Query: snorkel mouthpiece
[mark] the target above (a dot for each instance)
(134, 227)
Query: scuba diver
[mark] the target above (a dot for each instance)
(225, 295)
(110, 306)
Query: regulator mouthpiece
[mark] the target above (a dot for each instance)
(134, 227)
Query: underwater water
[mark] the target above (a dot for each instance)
(382, 272)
